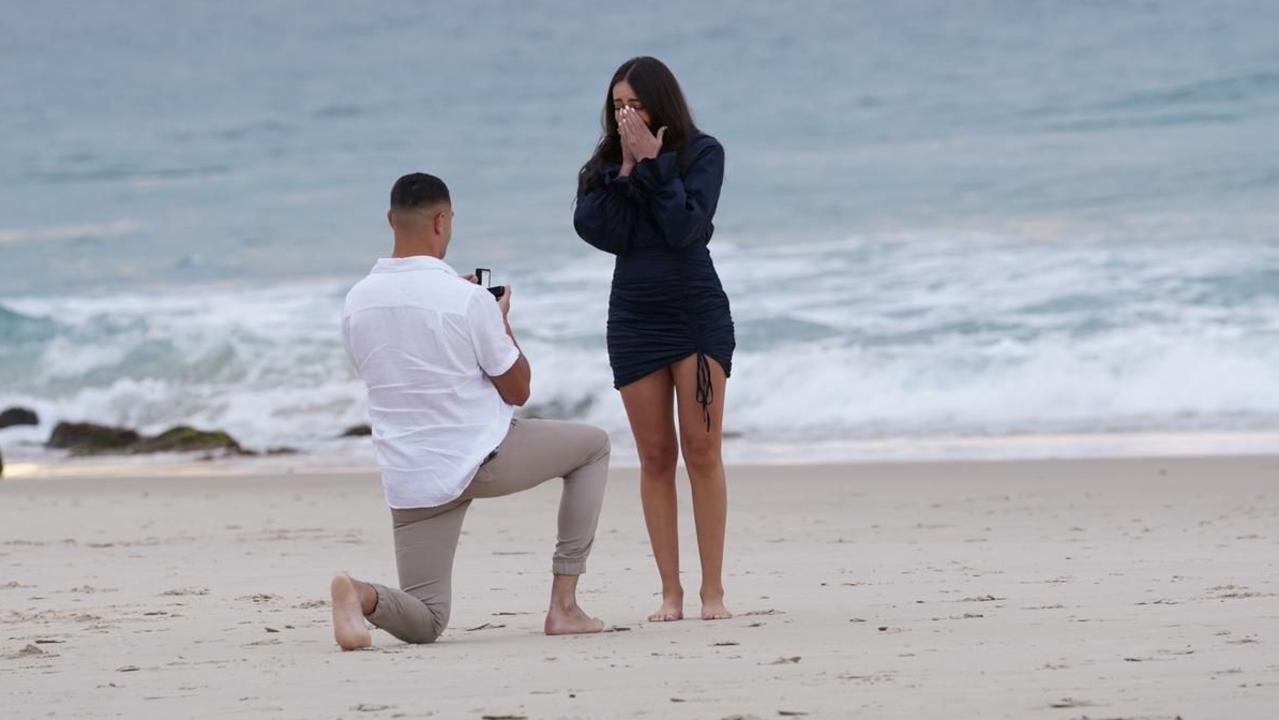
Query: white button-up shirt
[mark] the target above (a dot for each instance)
(425, 341)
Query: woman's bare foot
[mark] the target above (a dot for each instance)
(571, 621)
(713, 606)
(348, 615)
(672, 608)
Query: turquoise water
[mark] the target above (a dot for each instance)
(988, 217)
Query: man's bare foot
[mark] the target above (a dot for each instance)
(672, 609)
(348, 615)
(713, 606)
(571, 621)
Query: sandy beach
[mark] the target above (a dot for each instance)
(1045, 589)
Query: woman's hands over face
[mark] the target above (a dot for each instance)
(638, 142)
(628, 157)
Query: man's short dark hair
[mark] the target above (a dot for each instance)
(419, 191)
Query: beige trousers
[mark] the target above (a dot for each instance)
(533, 452)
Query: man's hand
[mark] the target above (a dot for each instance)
(472, 278)
(514, 384)
(504, 302)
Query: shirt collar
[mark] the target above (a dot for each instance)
(413, 262)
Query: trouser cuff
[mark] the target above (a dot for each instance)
(383, 607)
(561, 566)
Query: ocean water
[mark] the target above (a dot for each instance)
(990, 219)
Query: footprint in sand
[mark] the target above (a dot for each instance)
(182, 592)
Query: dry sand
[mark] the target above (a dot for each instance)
(1056, 589)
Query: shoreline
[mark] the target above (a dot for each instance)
(738, 451)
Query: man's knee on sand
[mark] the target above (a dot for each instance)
(429, 631)
(408, 618)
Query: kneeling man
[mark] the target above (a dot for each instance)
(443, 373)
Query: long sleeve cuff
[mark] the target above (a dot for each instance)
(622, 186)
(652, 174)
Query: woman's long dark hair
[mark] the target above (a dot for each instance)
(656, 87)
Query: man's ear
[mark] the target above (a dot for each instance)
(390, 218)
(438, 222)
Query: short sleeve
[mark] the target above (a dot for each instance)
(494, 349)
(346, 341)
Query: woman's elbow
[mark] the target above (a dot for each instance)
(589, 228)
(601, 240)
(585, 230)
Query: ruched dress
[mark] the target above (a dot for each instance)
(666, 301)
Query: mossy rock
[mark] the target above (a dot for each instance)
(558, 409)
(357, 431)
(18, 416)
(187, 439)
(89, 438)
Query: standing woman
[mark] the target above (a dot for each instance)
(648, 196)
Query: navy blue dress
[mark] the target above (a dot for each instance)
(667, 302)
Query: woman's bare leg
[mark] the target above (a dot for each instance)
(703, 458)
(650, 407)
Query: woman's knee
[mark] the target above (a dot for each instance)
(658, 460)
(701, 452)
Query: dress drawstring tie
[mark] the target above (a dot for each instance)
(705, 389)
